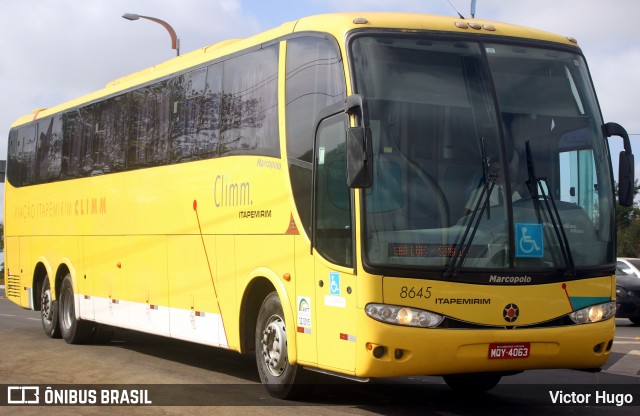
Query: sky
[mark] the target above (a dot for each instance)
(53, 51)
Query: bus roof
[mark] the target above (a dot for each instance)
(337, 24)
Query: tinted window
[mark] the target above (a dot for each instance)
(229, 107)
(13, 166)
(150, 119)
(315, 80)
(84, 134)
(333, 236)
(49, 149)
(249, 116)
(26, 148)
(111, 133)
(191, 122)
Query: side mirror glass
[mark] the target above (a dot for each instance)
(359, 144)
(626, 179)
(359, 157)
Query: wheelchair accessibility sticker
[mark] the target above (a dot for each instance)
(333, 298)
(529, 241)
(334, 281)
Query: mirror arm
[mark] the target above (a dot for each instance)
(615, 129)
(626, 168)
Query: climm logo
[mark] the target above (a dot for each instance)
(62, 208)
(231, 194)
(93, 206)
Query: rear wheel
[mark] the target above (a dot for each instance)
(74, 331)
(472, 383)
(49, 310)
(283, 380)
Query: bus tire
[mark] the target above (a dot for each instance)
(472, 383)
(282, 380)
(74, 331)
(49, 310)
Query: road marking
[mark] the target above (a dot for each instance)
(629, 365)
(5, 314)
(33, 319)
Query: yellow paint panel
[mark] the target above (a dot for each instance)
(148, 281)
(190, 285)
(103, 257)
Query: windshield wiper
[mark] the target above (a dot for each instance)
(536, 189)
(481, 205)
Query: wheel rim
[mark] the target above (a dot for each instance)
(274, 346)
(46, 306)
(66, 301)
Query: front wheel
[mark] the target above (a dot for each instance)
(282, 379)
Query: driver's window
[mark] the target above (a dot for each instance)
(579, 181)
(333, 231)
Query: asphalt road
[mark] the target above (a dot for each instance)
(212, 381)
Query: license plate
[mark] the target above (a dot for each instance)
(509, 351)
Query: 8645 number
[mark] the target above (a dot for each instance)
(412, 292)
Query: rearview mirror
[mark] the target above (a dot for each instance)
(626, 164)
(359, 145)
(626, 179)
(359, 157)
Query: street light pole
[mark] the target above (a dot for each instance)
(175, 42)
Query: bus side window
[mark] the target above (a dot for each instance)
(333, 233)
(13, 167)
(71, 145)
(149, 132)
(189, 118)
(315, 80)
(49, 149)
(111, 130)
(27, 154)
(249, 104)
(86, 131)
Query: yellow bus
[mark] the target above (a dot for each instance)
(361, 194)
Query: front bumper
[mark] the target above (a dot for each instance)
(420, 351)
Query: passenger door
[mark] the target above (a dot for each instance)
(333, 248)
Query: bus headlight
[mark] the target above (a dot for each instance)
(595, 313)
(403, 315)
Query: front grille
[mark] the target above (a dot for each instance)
(451, 323)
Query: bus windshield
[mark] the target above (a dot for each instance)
(486, 156)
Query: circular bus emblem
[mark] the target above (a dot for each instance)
(511, 312)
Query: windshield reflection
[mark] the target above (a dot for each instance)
(454, 186)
